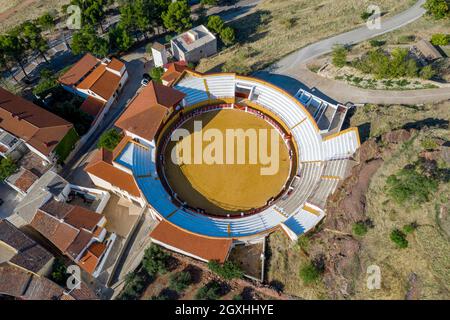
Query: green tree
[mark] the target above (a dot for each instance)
(439, 9)
(227, 270)
(211, 291)
(7, 168)
(86, 40)
(180, 281)
(440, 39)
(92, 11)
(46, 21)
(178, 16)
(227, 36)
(339, 56)
(134, 285)
(155, 260)
(47, 82)
(109, 139)
(33, 39)
(156, 74)
(309, 273)
(215, 24)
(399, 238)
(427, 72)
(119, 38)
(59, 272)
(127, 20)
(14, 49)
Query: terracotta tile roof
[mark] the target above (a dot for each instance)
(38, 127)
(79, 70)
(92, 256)
(92, 77)
(97, 249)
(14, 280)
(26, 180)
(101, 81)
(199, 246)
(59, 233)
(92, 106)
(58, 209)
(30, 255)
(146, 112)
(21, 284)
(101, 167)
(83, 218)
(115, 65)
(79, 244)
(106, 85)
(174, 71)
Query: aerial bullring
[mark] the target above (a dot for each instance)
(235, 201)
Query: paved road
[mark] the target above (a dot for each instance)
(291, 72)
(355, 36)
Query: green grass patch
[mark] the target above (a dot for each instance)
(66, 145)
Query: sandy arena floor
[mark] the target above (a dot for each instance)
(222, 189)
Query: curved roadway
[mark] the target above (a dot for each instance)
(293, 66)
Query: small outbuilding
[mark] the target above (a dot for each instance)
(193, 45)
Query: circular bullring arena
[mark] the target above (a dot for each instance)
(221, 187)
(236, 201)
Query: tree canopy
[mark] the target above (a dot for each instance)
(178, 16)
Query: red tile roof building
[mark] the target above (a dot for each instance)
(40, 129)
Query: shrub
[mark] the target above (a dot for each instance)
(303, 242)
(411, 227)
(427, 72)
(155, 260)
(237, 297)
(339, 56)
(405, 39)
(438, 9)
(47, 83)
(59, 272)
(410, 186)
(366, 15)
(377, 43)
(440, 39)
(227, 36)
(211, 291)
(7, 168)
(156, 74)
(180, 281)
(134, 284)
(215, 24)
(359, 228)
(288, 22)
(228, 270)
(109, 139)
(383, 65)
(309, 273)
(399, 238)
(429, 143)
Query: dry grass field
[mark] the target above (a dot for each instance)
(228, 188)
(14, 12)
(279, 27)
